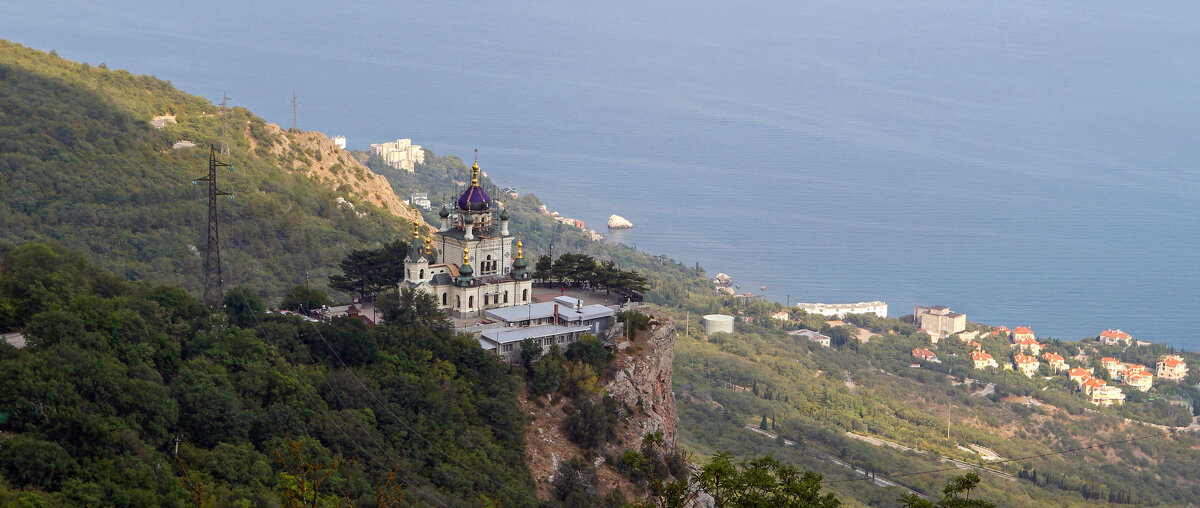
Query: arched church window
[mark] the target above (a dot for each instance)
(471, 302)
(444, 298)
(485, 300)
(506, 297)
(422, 274)
(458, 301)
(524, 295)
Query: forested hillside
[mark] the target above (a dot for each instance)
(83, 167)
(117, 376)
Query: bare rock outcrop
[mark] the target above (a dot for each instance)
(642, 381)
(617, 222)
(639, 378)
(314, 155)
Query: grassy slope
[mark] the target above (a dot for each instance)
(83, 167)
(811, 399)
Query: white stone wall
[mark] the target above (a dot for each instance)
(841, 309)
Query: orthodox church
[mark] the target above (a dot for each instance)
(473, 267)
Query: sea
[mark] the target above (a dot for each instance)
(1028, 162)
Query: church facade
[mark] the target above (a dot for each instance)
(469, 265)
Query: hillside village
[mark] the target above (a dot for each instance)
(1071, 367)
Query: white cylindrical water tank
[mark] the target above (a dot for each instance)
(714, 323)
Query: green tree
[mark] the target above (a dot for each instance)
(30, 461)
(243, 307)
(413, 308)
(209, 408)
(956, 494)
(541, 269)
(590, 351)
(762, 482)
(369, 271)
(575, 484)
(531, 350)
(630, 282)
(592, 424)
(303, 298)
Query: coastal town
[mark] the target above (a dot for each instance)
(1102, 381)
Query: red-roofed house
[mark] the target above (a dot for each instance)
(1026, 364)
(1000, 330)
(982, 360)
(1139, 379)
(1114, 337)
(1079, 375)
(1030, 345)
(1107, 395)
(1112, 365)
(1022, 332)
(1056, 361)
(1172, 367)
(926, 355)
(781, 315)
(975, 345)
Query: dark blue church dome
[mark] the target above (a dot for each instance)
(474, 199)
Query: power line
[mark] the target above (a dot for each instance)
(379, 444)
(407, 426)
(224, 124)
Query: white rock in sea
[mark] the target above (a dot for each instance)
(617, 222)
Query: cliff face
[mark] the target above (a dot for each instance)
(313, 154)
(639, 378)
(642, 381)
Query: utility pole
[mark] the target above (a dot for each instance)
(293, 109)
(224, 125)
(214, 288)
(948, 406)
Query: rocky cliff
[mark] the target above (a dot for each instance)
(639, 378)
(314, 155)
(642, 381)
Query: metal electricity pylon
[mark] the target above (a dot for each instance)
(214, 288)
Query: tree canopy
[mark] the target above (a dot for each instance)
(114, 371)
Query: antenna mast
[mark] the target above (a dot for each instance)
(214, 289)
(293, 109)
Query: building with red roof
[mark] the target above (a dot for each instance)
(1172, 367)
(1139, 379)
(1029, 345)
(1079, 375)
(1022, 332)
(1056, 361)
(925, 355)
(982, 360)
(1115, 337)
(1026, 364)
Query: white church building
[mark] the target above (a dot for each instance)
(473, 266)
